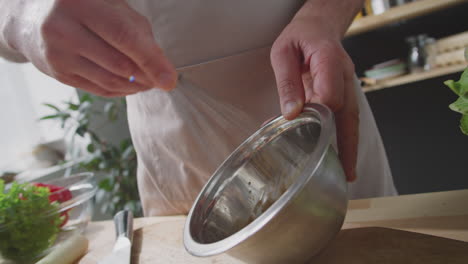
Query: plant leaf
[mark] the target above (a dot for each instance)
(81, 130)
(111, 111)
(73, 106)
(459, 87)
(129, 151)
(460, 106)
(454, 86)
(50, 117)
(84, 106)
(464, 124)
(124, 144)
(105, 185)
(53, 107)
(90, 148)
(95, 137)
(64, 116)
(86, 98)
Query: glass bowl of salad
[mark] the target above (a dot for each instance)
(37, 216)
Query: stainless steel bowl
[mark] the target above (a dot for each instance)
(280, 197)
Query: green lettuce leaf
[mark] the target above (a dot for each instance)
(29, 222)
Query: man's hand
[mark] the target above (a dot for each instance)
(311, 65)
(93, 45)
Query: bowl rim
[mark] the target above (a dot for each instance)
(325, 139)
(87, 178)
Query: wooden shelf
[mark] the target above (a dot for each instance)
(395, 14)
(414, 77)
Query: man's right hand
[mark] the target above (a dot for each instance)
(95, 45)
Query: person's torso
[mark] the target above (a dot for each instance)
(182, 136)
(195, 31)
(224, 95)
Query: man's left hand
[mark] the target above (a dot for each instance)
(311, 65)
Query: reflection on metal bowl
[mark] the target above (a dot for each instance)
(280, 197)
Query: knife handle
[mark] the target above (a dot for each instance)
(123, 221)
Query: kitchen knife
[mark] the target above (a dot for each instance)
(121, 253)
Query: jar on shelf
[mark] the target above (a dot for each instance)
(417, 58)
(430, 48)
(379, 6)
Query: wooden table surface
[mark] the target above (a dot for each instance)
(159, 239)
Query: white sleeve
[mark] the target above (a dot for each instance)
(11, 55)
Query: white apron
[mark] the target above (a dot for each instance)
(181, 137)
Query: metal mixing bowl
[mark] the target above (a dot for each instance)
(280, 197)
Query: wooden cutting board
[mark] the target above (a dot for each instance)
(437, 215)
(384, 245)
(155, 240)
(162, 243)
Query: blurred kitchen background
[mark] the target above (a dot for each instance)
(403, 52)
(425, 146)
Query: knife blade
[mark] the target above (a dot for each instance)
(121, 252)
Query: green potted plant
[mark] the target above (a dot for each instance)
(116, 162)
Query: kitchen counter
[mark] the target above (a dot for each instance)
(441, 214)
